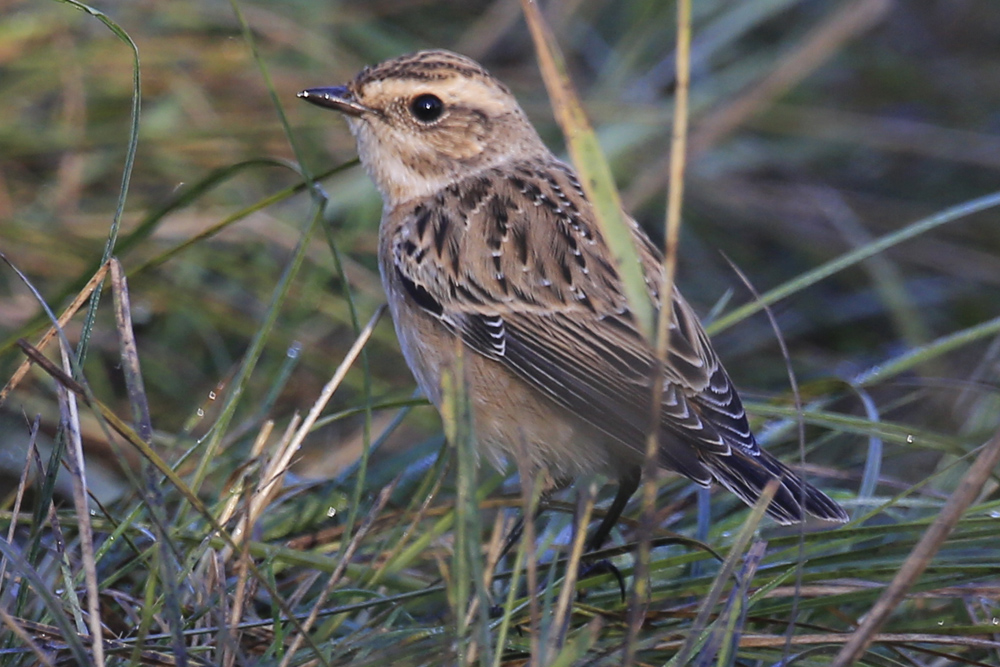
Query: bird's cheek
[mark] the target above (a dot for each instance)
(458, 144)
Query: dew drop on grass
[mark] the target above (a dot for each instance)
(200, 413)
(909, 439)
(331, 511)
(211, 395)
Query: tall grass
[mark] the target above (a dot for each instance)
(224, 464)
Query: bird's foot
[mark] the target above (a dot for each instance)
(596, 568)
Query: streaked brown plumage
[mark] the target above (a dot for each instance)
(487, 236)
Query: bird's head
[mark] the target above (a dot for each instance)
(425, 120)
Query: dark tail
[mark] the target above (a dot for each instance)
(747, 475)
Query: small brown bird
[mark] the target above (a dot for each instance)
(486, 236)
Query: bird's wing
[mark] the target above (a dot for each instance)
(512, 261)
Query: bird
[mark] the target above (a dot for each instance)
(488, 244)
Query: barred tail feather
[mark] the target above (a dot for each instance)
(747, 475)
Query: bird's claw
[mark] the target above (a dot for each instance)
(590, 569)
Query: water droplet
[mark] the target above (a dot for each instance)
(331, 511)
(294, 350)
(909, 439)
(200, 413)
(211, 395)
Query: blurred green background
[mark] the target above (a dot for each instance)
(816, 126)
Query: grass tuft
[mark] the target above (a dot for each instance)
(225, 463)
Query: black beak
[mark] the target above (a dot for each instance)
(338, 98)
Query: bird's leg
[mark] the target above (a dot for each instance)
(515, 534)
(627, 486)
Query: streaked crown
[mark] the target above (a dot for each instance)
(436, 65)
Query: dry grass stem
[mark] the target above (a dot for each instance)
(78, 473)
(78, 301)
(129, 352)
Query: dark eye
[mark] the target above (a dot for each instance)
(426, 108)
